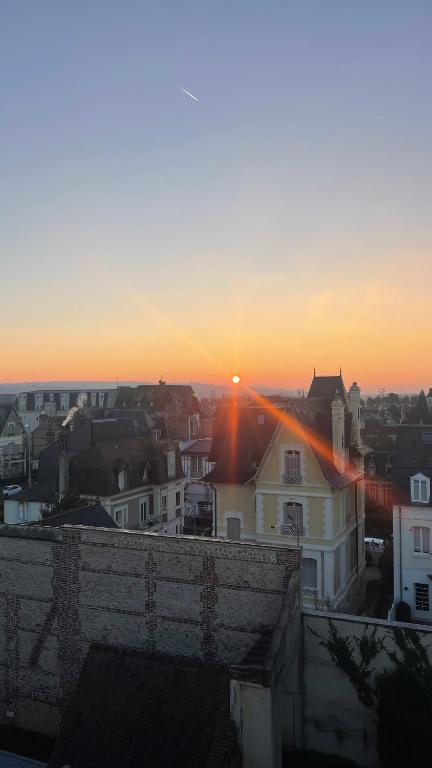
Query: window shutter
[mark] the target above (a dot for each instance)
(233, 528)
(416, 539)
(425, 532)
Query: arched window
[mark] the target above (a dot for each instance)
(292, 467)
(292, 519)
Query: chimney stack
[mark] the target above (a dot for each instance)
(338, 432)
(354, 406)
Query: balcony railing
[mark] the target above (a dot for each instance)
(289, 529)
(292, 479)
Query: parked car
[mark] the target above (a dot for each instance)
(11, 490)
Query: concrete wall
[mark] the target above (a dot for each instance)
(335, 722)
(62, 589)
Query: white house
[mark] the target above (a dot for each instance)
(412, 521)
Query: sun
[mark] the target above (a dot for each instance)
(235, 379)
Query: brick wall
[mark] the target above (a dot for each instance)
(62, 589)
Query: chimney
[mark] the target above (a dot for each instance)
(338, 432)
(63, 469)
(170, 454)
(354, 406)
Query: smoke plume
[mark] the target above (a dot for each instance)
(80, 403)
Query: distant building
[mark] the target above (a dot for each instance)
(412, 520)
(13, 442)
(294, 473)
(57, 402)
(378, 466)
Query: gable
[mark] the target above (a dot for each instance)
(285, 438)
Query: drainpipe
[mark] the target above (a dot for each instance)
(356, 517)
(400, 553)
(214, 511)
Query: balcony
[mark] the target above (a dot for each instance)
(293, 479)
(289, 529)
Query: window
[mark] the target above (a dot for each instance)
(164, 518)
(93, 399)
(292, 519)
(427, 436)
(196, 466)
(146, 471)
(121, 479)
(372, 467)
(292, 467)
(193, 428)
(233, 528)
(11, 429)
(101, 399)
(261, 419)
(178, 498)
(21, 512)
(421, 539)
(309, 572)
(144, 509)
(422, 597)
(337, 569)
(163, 502)
(120, 516)
(156, 434)
(420, 488)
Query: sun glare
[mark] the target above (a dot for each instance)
(236, 379)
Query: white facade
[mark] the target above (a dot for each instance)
(412, 545)
(16, 512)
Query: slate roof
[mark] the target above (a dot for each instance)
(131, 709)
(93, 515)
(5, 412)
(200, 447)
(94, 471)
(158, 397)
(240, 441)
(413, 454)
(327, 386)
(7, 399)
(43, 492)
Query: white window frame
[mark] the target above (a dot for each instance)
(293, 475)
(422, 598)
(306, 563)
(421, 540)
(124, 513)
(420, 488)
(144, 515)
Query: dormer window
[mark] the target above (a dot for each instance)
(420, 489)
(145, 475)
(292, 467)
(122, 479)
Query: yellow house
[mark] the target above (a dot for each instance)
(292, 472)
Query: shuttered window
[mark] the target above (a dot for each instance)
(233, 528)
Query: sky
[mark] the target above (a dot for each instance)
(280, 223)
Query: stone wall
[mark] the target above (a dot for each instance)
(335, 722)
(62, 589)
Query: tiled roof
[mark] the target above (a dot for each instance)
(158, 397)
(133, 710)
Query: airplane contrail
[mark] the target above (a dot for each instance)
(188, 93)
